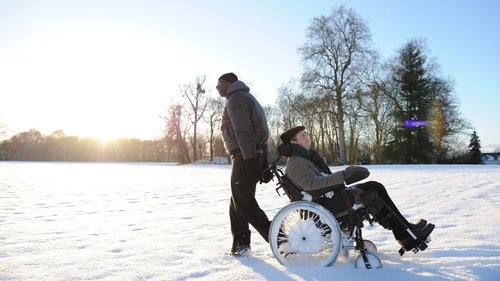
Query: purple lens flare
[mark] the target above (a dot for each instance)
(415, 123)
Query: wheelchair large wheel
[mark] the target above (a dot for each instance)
(304, 234)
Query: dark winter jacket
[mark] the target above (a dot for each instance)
(244, 125)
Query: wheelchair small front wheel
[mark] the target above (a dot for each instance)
(371, 262)
(304, 234)
(369, 246)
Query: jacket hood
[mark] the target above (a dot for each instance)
(237, 86)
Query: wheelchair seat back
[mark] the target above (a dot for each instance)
(293, 192)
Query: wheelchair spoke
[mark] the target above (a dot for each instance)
(306, 234)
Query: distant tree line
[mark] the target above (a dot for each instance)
(357, 109)
(33, 146)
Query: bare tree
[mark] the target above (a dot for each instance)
(334, 56)
(175, 137)
(287, 116)
(377, 108)
(307, 107)
(215, 107)
(195, 94)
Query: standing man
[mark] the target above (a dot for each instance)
(245, 132)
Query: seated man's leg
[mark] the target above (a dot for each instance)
(398, 222)
(338, 206)
(335, 204)
(357, 193)
(375, 191)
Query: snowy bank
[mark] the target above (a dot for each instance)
(88, 221)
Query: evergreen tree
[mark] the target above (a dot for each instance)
(423, 108)
(412, 97)
(474, 153)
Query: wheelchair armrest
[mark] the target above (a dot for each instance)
(295, 193)
(317, 193)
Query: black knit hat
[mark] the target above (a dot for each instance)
(229, 77)
(287, 136)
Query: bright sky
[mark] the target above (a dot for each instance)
(110, 68)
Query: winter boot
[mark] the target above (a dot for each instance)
(419, 244)
(241, 245)
(419, 225)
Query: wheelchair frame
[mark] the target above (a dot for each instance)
(306, 233)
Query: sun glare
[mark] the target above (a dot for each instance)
(101, 126)
(99, 82)
(94, 85)
(105, 139)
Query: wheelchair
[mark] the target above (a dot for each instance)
(305, 233)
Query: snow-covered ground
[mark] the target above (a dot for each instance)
(88, 221)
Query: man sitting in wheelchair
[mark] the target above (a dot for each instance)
(309, 171)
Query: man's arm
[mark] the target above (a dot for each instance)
(239, 110)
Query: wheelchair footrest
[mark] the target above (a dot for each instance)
(420, 247)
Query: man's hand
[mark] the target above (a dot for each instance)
(354, 174)
(267, 175)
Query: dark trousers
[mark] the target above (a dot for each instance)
(397, 224)
(337, 204)
(244, 209)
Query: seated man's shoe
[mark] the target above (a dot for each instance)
(409, 243)
(419, 225)
(423, 233)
